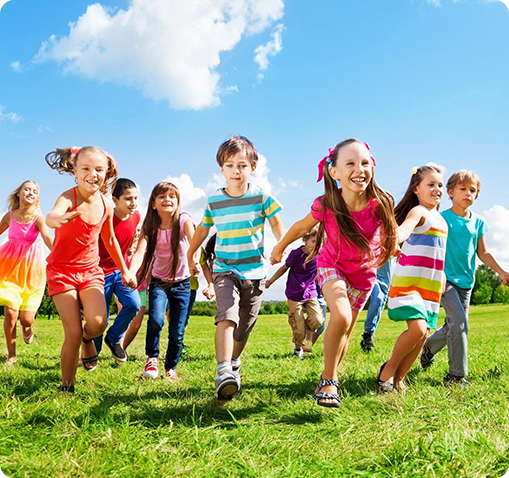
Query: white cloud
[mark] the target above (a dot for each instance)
(9, 116)
(44, 128)
(271, 48)
(167, 49)
(497, 237)
(434, 2)
(16, 66)
(294, 183)
(2, 3)
(192, 198)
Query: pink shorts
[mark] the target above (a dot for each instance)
(63, 279)
(357, 297)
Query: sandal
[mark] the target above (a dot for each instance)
(327, 396)
(384, 387)
(89, 363)
(28, 339)
(68, 389)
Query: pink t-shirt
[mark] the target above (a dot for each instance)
(163, 256)
(345, 257)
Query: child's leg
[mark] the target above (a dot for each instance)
(10, 319)
(133, 329)
(314, 318)
(406, 345)
(407, 363)
(297, 322)
(224, 341)
(27, 319)
(178, 296)
(69, 310)
(109, 286)
(456, 302)
(157, 314)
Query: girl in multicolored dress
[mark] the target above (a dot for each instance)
(22, 263)
(419, 279)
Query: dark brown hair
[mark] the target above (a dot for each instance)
(150, 228)
(333, 200)
(234, 145)
(410, 199)
(64, 162)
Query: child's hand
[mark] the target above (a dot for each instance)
(268, 283)
(209, 291)
(129, 280)
(65, 218)
(504, 277)
(276, 255)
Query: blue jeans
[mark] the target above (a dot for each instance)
(454, 332)
(130, 301)
(323, 305)
(379, 296)
(192, 299)
(177, 295)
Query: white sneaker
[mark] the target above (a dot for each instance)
(150, 370)
(227, 385)
(236, 363)
(171, 375)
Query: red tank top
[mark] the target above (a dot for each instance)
(76, 244)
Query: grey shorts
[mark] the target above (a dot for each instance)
(238, 301)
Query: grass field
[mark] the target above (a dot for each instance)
(119, 425)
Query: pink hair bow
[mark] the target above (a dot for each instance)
(75, 150)
(372, 158)
(323, 162)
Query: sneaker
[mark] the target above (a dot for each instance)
(236, 363)
(119, 354)
(171, 375)
(308, 347)
(299, 353)
(151, 368)
(427, 358)
(456, 380)
(184, 350)
(367, 342)
(227, 385)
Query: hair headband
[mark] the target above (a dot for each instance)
(75, 150)
(372, 158)
(323, 162)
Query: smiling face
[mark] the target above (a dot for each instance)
(236, 170)
(127, 203)
(90, 171)
(28, 194)
(353, 167)
(429, 191)
(166, 202)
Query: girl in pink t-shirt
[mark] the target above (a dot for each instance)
(163, 245)
(357, 221)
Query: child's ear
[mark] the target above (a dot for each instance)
(253, 167)
(115, 200)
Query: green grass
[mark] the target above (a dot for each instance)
(119, 425)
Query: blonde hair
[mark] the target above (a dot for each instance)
(64, 161)
(13, 201)
(464, 176)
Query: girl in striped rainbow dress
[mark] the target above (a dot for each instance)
(419, 279)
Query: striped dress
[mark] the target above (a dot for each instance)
(417, 281)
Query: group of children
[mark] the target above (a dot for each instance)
(352, 235)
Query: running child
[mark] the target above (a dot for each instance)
(357, 220)
(163, 245)
(125, 223)
(22, 263)
(239, 212)
(79, 216)
(301, 291)
(465, 240)
(419, 277)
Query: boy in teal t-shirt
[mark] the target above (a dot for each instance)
(464, 241)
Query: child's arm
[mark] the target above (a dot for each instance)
(4, 223)
(490, 261)
(276, 224)
(209, 291)
(295, 232)
(276, 276)
(61, 213)
(40, 225)
(189, 232)
(113, 248)
(413, 219)
(137, 258)
(199, 236)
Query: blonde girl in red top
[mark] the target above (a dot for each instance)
(22, 264)
(79, 216)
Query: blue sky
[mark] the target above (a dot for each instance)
(160, 84)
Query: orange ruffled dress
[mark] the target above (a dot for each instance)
(22, 267)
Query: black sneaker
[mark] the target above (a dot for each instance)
(456, 380)
(367, 342)
(427, 358)
(119, 354)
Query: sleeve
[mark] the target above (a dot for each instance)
(271, 206)
(203, 259)
(482, 228)
(317, 211)
(208, 220)
(184, 217)
(290, 259)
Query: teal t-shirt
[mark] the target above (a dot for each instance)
(462, 247)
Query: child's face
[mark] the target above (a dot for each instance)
(463, 194)
(29, 193)
(353, 168)
(166, 202)
(90, 171)
(429, 191)
(309, 244)
(127, 202)
(236, 170)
